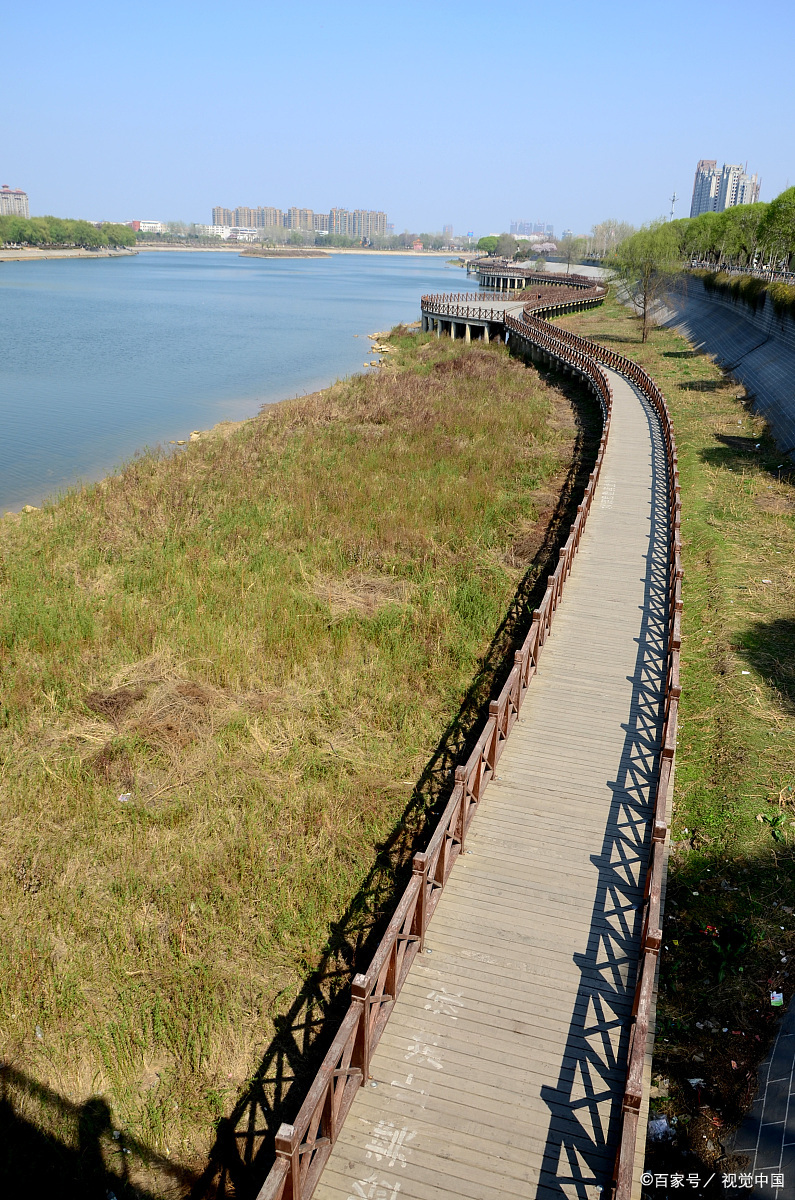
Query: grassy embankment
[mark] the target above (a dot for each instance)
(729, 929)
(751, 290)
(222, 673)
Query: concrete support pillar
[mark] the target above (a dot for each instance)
(424, 323)
(486, 334)
(467, 333)
(438, 327)
(452, 331)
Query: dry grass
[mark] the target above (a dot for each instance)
(220, 672)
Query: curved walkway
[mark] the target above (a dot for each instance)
(501, 1070)
(497, 1045)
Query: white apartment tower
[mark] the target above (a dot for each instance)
(715, 191)
(13, 202)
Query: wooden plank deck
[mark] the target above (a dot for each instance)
(500, 1070)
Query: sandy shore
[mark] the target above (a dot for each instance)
(33, 255)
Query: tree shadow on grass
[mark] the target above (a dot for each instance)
(769, 647)
(244, 1146)
(734, 452)
(702, 385)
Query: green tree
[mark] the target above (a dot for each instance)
(608, 235)
(488, 244)
(645, 265)
(506, 245)
(777, 228)
(571, 248)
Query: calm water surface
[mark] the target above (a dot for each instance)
(99, 358)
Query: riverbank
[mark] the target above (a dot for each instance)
(235, 248)
(227, 671)
(32, 254)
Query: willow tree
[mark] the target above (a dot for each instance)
(777, 228)
(645, 265)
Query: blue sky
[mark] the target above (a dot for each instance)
(439, 113)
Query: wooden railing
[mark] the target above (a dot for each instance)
(563, 344)
(303, 1147)
(502, 268)
(469, 304)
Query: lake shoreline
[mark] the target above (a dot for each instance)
(51, 255)
(97, 364)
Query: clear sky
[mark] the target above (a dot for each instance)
(438, 112)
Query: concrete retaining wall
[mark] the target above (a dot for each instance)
(757, 347)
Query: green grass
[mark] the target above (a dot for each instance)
(731, 893)
(222, 673)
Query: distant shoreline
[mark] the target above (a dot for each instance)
(33, 255)
(324, 250)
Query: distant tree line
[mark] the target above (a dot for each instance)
(749, 236)
(58, 231)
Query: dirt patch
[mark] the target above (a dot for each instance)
(778, 505)
(361, 594)
(114, 704)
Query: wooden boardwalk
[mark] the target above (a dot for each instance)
(501, 1070)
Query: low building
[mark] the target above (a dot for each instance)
(152, 227)
(219, 231)
(13, 202)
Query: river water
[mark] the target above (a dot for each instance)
(101, 357)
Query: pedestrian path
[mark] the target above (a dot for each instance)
(502, 1068)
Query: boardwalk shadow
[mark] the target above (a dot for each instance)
(581, 1144)
(52, 1147)
(244, 1147)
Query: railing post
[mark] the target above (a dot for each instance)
(286, 1145)
(461, 781)
(419, 866)
(361, 1046)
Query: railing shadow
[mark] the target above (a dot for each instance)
(244, 1148)
(50, 1146)
(581, 1142)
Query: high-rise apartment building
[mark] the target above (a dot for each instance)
(270, 218)
(716, 190)
(13, 202)
(299, 218)
(223, 216)
(736, 187)
(320, 222)
(528, 228)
